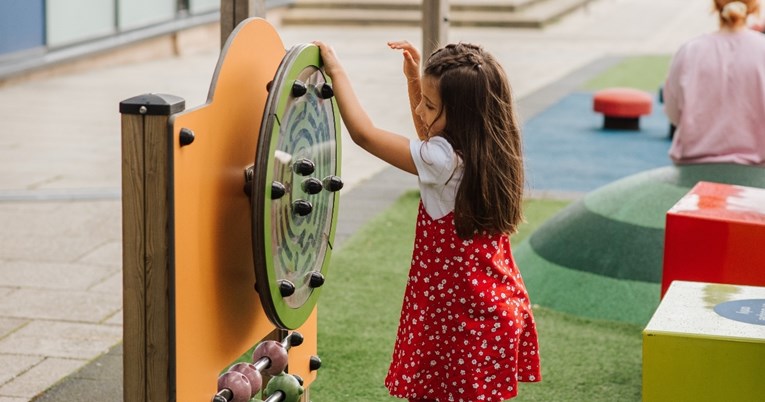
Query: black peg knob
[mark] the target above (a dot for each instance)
(333, 183)
(298, 89)
(269, 85)
(314, 363)
(312, 185)
(186, 137)
(303, 167)
(326, 91)
(277, 190)
(299, 379)
(248, 175)
(296, 339)
(286, 288)
(302, 207)
(317, 279)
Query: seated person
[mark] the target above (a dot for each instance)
(715, 92)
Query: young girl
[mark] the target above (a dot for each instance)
(466, 331)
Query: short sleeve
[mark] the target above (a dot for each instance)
(435, 160)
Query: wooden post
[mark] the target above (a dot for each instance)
(145, 246)
(435, 25)
(232, 12)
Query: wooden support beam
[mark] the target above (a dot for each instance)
(232, 12)
(145, 246)
(435, 25)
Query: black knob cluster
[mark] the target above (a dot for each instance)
(300, 88)
(287, 288)
(310, 186)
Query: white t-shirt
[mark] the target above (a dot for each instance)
(439, 170)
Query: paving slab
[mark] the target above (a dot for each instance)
(71, 340)
(12, 365)
(60, 305)
(52, 275)
(35, 381)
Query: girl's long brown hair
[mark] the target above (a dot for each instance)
(482, 127)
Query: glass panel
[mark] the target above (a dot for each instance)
(203, 6)
(140, 13)
(70, 21)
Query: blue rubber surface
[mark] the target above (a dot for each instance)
(566, 148)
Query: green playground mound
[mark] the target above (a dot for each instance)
(601, 257)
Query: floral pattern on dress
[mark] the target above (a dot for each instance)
(466, 331)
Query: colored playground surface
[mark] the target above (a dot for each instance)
(601, 257)
(567, 149)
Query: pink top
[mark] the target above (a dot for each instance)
(715, 95)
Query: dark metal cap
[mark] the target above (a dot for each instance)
(153, 104)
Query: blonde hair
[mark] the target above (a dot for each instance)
(733, 14)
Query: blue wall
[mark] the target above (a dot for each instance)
(22, 25)
(33, 29)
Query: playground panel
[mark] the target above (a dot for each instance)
(217, 312)
(195, 205)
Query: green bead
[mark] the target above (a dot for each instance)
(286, 383)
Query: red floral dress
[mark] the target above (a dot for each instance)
(466, 331)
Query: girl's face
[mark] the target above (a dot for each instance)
(430, 108)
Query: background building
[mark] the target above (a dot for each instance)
(39, 34)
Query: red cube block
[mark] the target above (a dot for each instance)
(716, 233)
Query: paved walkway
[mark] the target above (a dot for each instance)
(60, 238)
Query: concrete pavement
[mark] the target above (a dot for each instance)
(60, 237)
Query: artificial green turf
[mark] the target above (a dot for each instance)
(580, 240)
(586, 294)
(640, 72)
(582, 359)
(601, 257)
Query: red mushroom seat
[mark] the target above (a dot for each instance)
(622, 107)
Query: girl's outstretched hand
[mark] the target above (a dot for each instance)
(411, 58)
(329, 58)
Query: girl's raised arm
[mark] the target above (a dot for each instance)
(388, 146)
(412, 73)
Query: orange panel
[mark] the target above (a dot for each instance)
(218, 315)
(300, 356)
